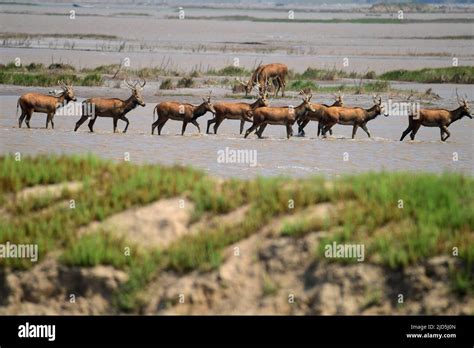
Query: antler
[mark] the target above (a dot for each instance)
(306, 97)
(62, 84)
(461, 100)
(144, 83)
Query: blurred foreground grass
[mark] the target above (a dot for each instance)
(436, 215)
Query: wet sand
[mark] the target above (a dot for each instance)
(148, 37)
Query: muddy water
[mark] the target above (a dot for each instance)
(275, 154)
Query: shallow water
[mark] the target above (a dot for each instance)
(275, 154)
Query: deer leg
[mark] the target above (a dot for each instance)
(283, 84)
(214, 120)
(115, 124)
(251, 129)
(91, 124)
(405, 132)
(261, 129)
(302, 125)
(277, 86)
(194, 122)
(414, 130)
(218, 123)
(185, 123)
(80, 122)
(289, 131)
(123, 118)
(242, 124)
(52, 120)
(364, 127)
(22, 117)
(445, 129)
(28, 118)
(48, 119)
(327, 128)
(354, 130)
(160, 126)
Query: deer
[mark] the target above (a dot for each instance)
(112, 107)
(286, 116)
(236, 111)
(187, 113)
(316, 116)
(274, 73)
(441, 118)
(48, 104)
(354, 116)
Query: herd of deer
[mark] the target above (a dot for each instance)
(258, 112)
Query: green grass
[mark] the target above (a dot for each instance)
(229, 71)
(460, 74)
(99, 248)
(367, 87)
(49, 79)
(436, 215)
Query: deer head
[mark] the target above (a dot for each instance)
(136, 89)
(207, 104)
(378, 105)
(306, 100)
(67, 91)
(466, 109)
(339, 98)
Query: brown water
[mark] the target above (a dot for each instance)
(275, 154)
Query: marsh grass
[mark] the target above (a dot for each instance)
(459, 74)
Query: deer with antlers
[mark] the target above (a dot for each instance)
(271, 73)
(236, 111)
(187, 113)
(317, 115)
(48, 104)
(112, 107)
(441, 118)
(286, 116)
(354, 116)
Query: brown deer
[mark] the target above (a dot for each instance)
(112, 107)
(274, 73)
(441, 118)
(316, 116)
(187, 113)
(48, 104)
(354, 116)
(236, 111)
(279, 116)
